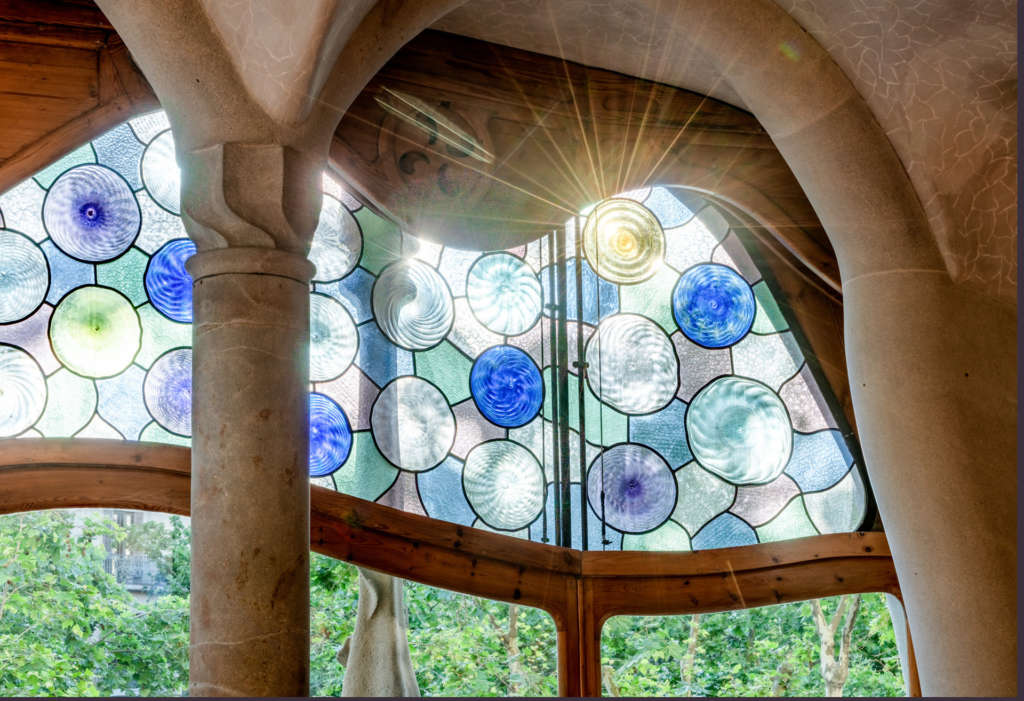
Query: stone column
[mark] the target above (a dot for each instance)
(250, 488)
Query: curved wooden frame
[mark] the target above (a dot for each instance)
(580, 590)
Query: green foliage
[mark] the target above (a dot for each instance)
(68, 628)
(748, 652)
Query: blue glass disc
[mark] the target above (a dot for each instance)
(639, 488)
(168, 284)
(713, 305)
(506, 386)
(330, 436)
(91, 213)
(167, 391)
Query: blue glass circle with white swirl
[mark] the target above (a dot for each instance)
(24, 276)
(504, 294)
(638, 485)
(740, 430)
(713, 305)
(506, 386)
(168, 284)
(167, 391)
(91, 213)
(330, 436)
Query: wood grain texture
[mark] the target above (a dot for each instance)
(562, 136)
(56, 98)
(580, 590)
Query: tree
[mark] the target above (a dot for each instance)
(835, 665)
(67, 628)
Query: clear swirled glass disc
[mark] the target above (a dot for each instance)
(333, 339)
(95, 331)
(91, 213)
(631, 364)
(623, 241)
(330, 436)
(24, 276)
(739, 430)
(504, 484)
(412, 424)
(337, 243)
(713, 305)
(168, 391)
(639, 487)
(506, 386)
(22, 391)
(412, 305)
(504, 294)
(168, 284)
(160, 172)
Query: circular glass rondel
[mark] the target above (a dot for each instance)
(412, 424)
(505, 484)
(22, 391)
(739, 429)
(168, 391)
(330, 436)
(713, 305)
(91, 213)
(639, 490)
(412, 305)
(631, 364)
(504, 293)
(623, 241)
(506, 386)
(24, 276)
(168, 284)
(95, 331)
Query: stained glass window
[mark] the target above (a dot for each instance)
(629, 381)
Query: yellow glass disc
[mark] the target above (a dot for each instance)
(623, 241)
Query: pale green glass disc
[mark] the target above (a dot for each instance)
(95, 331)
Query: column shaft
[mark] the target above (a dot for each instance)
(250, 491)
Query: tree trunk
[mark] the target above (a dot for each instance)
(608, 678)
(782, 677)
(836, 668)
(510, 641)
(686, 665)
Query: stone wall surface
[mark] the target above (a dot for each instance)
(941, 78)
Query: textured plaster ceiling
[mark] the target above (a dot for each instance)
(939, 75)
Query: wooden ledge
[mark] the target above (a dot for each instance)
(40, 473)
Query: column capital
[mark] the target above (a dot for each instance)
(252, 260)
(250, 196)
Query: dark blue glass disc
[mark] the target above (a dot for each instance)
(713, 305)
(168, 284)
(330, 436)
(506, 386)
